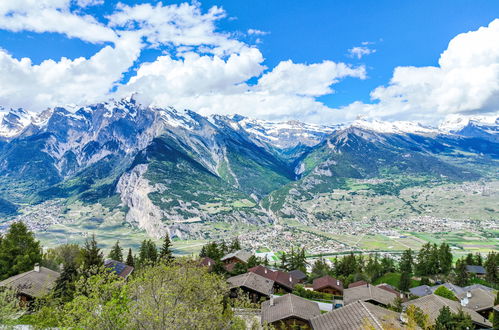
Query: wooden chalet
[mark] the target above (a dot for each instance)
(289, 312)
(255, 286)
(328, 284)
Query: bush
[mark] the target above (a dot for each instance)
(299, 290)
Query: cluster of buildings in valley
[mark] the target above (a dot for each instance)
(358, 305)
(39, 216)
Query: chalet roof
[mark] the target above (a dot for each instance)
(358, 283)
(207, 262)
(476, 269)
(476, 286)
(457, 290)
(119, 268)
(262, 271)
(298, 274)
(282, 278)
(432, 304)
(327, 281)
(357, 315)
(366, 293)
(240, 254)
(35, 283)
(288, 306)
(477, 299)
(420, 291)
(388, 288)
(253, 282)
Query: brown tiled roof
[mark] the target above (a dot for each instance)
(262, 271)
(432, 304)
(33, 283)
(388, 288)
(252, 281)
(477, 299)
(366, 293)
(288, 306)
(283, 278)
(358, 283)
(358, 315)
(230, 267)
(327, 281)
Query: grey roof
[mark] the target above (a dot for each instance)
(457, 290)
(432, 304)
(288, 306)
(366, 293)
(240, 254)
(298, 274)
(478, 286)
(477, 299)
(252, 281)
(420, 291)
(33, 283)
(358, 315)
(475, 269)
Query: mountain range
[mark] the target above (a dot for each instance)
(166, 169)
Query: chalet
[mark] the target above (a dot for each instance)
(478, 271)
(289, 312)
(33, 284)
(358, 315)
(231, 259)
(358, 283)
(424, 290)
(207, 262)
(421, 291)
(256, 286)
(119, 268)
(432, 304)
(299, 275)
(283, 281)
(369, 293)
(327, 284)
(388, 288)
(479, 300)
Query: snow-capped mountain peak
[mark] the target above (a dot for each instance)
(13, 122)
(395, 127)
(455, 123)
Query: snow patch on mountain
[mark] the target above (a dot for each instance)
(395, 127)
(455, 123)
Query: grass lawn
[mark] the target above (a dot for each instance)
(393, 279)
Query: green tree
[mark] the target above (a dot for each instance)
(284, 261)
(19, 251)
(405, 282)
(9, 306)
(460, 273)
(445, 258)
(62, 255)
(478, 259)
(444, 319)
(165, 252)
(447, 320)
(235, 245)
(373, 268)
(495, 315)
(116, 252)
(416, 317)
(65, 285)
(320, 268)
(387, 265)
(92, 256)
(442, 291)
(406, 262)
(491, 264)
(148, 253)
(470, 259)
(129, 258)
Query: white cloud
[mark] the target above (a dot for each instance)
(466, 82)
(201, 68)
(256, 32)
(89, 3)
(52, 16)
(361, 51)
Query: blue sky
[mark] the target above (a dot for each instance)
(399, 34)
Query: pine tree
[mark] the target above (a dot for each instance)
(470, 260)
(65, 285)
(19, 251)
(406, 262)
(444, 319)
(92, 257)
(478, 259)
(129, 259)
(405, 282)
(461, 275)
(116, 252)
(284, 261)
(166, 253)
(490, 265)
(445, 258)
(148, 254)
(235, 245)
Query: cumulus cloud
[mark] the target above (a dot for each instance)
(256, 32)
(52, 16)
(361, 51)
(466, 81)
(89, 3)
(200, 68)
